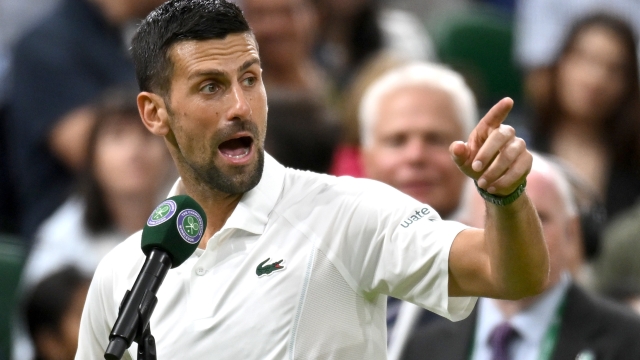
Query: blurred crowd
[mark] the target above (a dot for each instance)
(363, 88)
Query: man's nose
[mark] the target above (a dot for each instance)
(415, 151)
(240, 108)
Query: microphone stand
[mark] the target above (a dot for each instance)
(146, 341)
(124, 330)
(147, 347)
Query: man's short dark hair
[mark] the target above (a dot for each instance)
(175, 21)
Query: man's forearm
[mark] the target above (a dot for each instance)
(516, 246)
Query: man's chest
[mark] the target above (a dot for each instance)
(238, 298)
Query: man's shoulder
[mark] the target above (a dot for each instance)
(345, 202)
(298, 182)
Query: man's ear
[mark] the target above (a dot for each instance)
(153, 112)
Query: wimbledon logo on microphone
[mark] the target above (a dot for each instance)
(162, 213)
(190, 225)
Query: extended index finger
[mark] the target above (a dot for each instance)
(494, 118)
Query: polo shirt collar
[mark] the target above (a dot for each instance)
(252, 212)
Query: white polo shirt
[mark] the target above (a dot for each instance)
(335, 247)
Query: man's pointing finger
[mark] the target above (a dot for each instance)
(494, 118)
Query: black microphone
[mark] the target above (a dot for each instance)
(171, 235)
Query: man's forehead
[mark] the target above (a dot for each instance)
(543, 186)
(425, 104)
(229, 52)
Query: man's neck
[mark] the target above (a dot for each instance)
(218, 206)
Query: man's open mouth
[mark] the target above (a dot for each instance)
(236, 148)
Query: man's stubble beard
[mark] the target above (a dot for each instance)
(217, 180)
(212, 177)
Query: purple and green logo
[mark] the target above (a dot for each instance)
(162, 213)
(190, 226)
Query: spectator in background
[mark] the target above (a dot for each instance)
(591, 116)
(541, 27)
(352, 31)
(57, 69)
(128, 171)
(52, 310)
(408, 119)
(564, 322)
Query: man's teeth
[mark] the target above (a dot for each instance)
(244, 153)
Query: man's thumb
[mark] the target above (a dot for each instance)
(459, 152)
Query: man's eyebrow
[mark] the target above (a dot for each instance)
(247, 64)
(219, 73)
(208, 73)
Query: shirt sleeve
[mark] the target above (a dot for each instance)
(397, 246)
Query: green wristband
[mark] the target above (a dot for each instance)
(502, 200)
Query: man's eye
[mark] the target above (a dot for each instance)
(394, 141)
(209, 88)
(250, 81)
(438, 140)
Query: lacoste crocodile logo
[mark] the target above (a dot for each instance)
(263, 269)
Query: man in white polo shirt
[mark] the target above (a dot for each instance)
(295, 264)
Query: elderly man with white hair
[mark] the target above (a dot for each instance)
(408, 118)
(564, 322)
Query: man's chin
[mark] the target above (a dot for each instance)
(237, 179)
